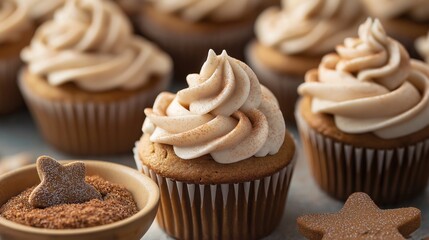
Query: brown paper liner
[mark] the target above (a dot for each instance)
(87, 127)
(387, 175)
(245, 210)
(282, 86)
(189, 49)
(10, 97)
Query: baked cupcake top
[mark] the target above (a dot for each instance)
(14, 20)
(422, 46)
(224, 112)
(199, 10)
(378, 89)
(388, 9)
(307, 26)
(90, 43)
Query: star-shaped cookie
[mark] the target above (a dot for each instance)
(61, 184)
(360, 218)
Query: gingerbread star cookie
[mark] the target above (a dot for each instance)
(61, 184)
(360, 218)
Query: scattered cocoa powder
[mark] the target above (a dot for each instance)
(117, 204)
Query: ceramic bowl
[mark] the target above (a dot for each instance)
(144, 190)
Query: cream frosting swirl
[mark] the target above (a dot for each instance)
(422, 46)
(388, 9)
(313, 27)
(14, 20)
(40, 9)
(198, 10)
(224, 112)
(90, 43)
(377, 88)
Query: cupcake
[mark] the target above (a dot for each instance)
(88, 78)
(188, 29)
(220, 154)
(292, 40)
(404, 20)
(363, 119)
(15, 33)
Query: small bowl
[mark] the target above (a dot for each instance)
(143, 189)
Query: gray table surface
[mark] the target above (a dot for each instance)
(18, 134)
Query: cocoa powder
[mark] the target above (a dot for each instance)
(117, 204)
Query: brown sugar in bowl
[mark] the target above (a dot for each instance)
(145, 193)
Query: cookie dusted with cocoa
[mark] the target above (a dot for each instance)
(360, 218)
(61, 184)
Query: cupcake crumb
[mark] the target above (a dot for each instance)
(117, 204)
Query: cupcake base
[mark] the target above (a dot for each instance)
(84, 123)
(253, 204)
(188, 42)
(390, 171)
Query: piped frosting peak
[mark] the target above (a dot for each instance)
(224, 112)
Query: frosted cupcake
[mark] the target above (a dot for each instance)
(88, 78)
(15, 33)
(404, 20)
(363, 119)
(188, 29)
(292, 40)
(220, 154)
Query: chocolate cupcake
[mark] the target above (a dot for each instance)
(292, 40)
(15, 33)
(88, 78)
(363, 119)
(220, 154)
(188, 29)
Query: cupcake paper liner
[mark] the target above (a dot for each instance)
(92, 127)
(282, 86)
(189, 50)
(388, 175)
(10, 97)
(245, 210)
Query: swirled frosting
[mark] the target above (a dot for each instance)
(42, 8)
(376, 87)
(90, 43)
(312, 27)
(387, 9)
(422, 46)
(13, 20)
(198, 10)
(224, 112)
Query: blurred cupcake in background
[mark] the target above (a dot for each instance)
(88, 78)
(363, 119)
(16, 31)
(43, 10)
(422, 47)
(292, 40)
(188, 29)
(404, 20)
